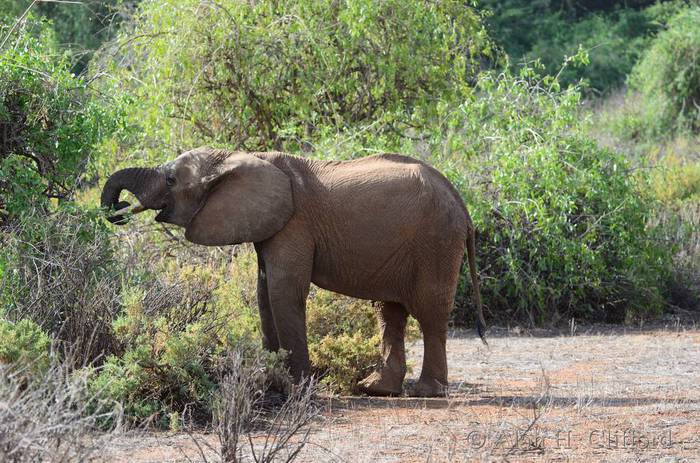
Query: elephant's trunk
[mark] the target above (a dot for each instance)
(146, 184)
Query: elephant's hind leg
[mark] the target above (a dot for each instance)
(388, 379)
(433, 377)
(434, 295)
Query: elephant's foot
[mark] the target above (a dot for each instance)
(428, 388)
(380, 385)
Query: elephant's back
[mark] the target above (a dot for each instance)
(402, 186)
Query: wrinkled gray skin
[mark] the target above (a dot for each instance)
(386, 228)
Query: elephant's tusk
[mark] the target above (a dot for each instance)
(133, 209)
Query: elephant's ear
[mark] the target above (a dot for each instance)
(247, 200)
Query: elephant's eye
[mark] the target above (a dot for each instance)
(170, 180)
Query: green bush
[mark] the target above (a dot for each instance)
(24, 346)
(345, 359)
(174, 333)
(343, 339)
(562, 223)
(153, 384)
(668, 75)
(262, 75)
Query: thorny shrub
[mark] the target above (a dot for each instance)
(273, 75)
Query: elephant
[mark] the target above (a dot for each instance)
(386, 228)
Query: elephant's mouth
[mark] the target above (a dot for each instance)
(164, 215)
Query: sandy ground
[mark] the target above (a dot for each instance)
(601, 394)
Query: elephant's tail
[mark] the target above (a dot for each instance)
(471, 257)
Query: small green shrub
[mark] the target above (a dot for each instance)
(668, 75)
(343, 339)
(345, 359)
(153, 384)
(331, 314)
(23, 345)
(174, 332)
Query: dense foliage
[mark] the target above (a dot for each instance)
(668, 75)
(614, 34)
(263, 75)
(562, 222)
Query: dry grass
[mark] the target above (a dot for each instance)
(53, 417)
(62, 277)
(247, 427)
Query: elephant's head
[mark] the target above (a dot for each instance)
(220, 197)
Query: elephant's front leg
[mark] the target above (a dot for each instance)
(267, 323)
(288, 269)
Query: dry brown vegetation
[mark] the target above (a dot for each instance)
(52, 416)
(595, 394)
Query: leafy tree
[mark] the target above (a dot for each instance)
(562, 222)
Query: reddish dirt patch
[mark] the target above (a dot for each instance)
(608, 394)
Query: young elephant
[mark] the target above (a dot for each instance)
(387, 228)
